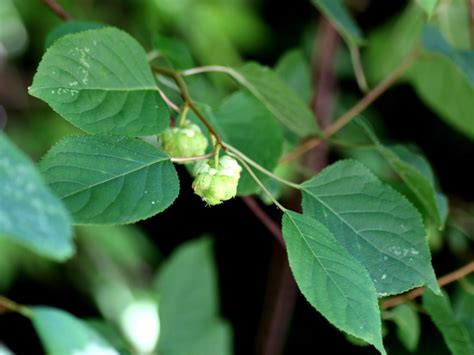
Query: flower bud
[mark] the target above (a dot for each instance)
(185, 141)
(217, 184)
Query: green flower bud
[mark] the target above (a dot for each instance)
(217, 184)
(185, 141)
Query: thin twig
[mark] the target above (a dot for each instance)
(442, 281)
(168, 101)
(258, 182)
(257, 166)
(57, 9)
(358, 68)
(176, 76)
(7, 305)
(347, 117)
(264, 218)
(198, 157)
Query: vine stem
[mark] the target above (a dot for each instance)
(196, 158)
(176, 76)
(347, 117)
(168, 101)
(358, 68)
(8, 305)
(442, 281)
(257, 166)
(265, 219)
(58, 10)
(259, 183)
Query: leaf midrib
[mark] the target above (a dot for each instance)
(114, 178)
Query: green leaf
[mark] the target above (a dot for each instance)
(454, 103)
(453, 23)
(294, 69)
(188, 301)
(61, 333)
(232, 121)
(454, 332)
(174, 51)
(70, 27)
(110, 179)
(408, 325)
(100, 81)
(412, 168)
(29, 213)
(216, 341)
(416, 173)
(428, 5)
(331, 279)
(285, 105)
(336, 12)
(398, 37)
(434, 42)
(375, 223)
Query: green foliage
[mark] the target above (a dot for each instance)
(358, 209)
(412, 169)
(428, 5)
(110, 179)
(62, 333)
(362, 234)
(29, 213)
(294, 69)
(335, 11)
(100, 81)
(454, 333)
(408, 325)
(331, 279)
(279, 99)
(188, 302)
(231, 119)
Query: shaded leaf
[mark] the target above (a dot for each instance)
(428, 5)
(244, 123)
(110, 179)
(29, 213)
(61, 333)
(337, 13)
(294, 69)
(408, 325)
(454, 332)
(101, 82)
(187, 294)
(331, 279)
(375, 223)
(292, 112)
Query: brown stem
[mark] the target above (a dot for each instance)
(442, 281)
(347, 117)
(176, 76)
(57, 9)
(266, 220)
(7, 305)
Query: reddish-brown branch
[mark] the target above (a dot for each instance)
(347, 117)
(442, 281)
(57, 9)
(281, 294)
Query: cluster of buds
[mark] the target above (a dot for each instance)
(184, 141)
(215, 180)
